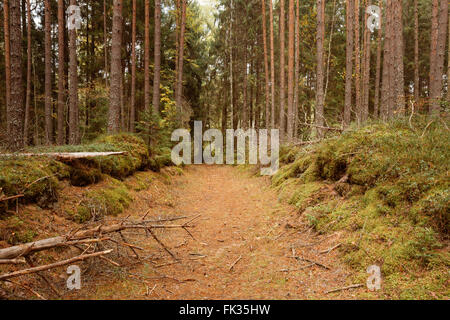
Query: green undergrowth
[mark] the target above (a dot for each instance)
(387, 187)
(38, 178)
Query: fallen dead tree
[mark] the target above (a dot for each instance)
(91, 242)
(64, 155)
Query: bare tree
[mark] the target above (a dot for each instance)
(16, 110)
(157, 70)
(116, 69)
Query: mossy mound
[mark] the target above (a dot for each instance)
(386, 186)
(112, 199)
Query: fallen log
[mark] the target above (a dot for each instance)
(53, 265)
(12, 261)
(64, 155)
(76, 238)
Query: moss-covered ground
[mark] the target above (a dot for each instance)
(386, 186)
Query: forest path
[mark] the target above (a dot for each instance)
(243, 247)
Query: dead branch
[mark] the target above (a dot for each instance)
(235, 263)
(12, 261)
(345, 288)
(53, 265)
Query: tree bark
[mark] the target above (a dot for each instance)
(132, 121)
(266, 63)
(74, 117)
(358, 106)
(179, 91)
(291, 66)
(297, 67)
(399, 80)
(157, 62)
(48, 74)
(282, 71)
(29, 67)
(376, 111)
(16, 112)
(349, 63)
(320, 116)
(416, 53)
(366, 68)
(61, 72)
(6, 30)
(116, 69)
(272, 64)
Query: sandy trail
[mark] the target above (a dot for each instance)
(243, 247)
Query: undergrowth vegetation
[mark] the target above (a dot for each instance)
(38, 178)
(387, 187)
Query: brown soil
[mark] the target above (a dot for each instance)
(243, 246)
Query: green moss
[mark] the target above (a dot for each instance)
(111, 199)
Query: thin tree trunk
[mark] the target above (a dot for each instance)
(61, 72)
(333, 19)
(376, 111)
(291, 66)
(181, 59)
(448, 66)
(48, 75)
(349, 63)
(147, 57)
(297, 67)
(266, 63)
(74, 117)
(133, 71)
(320, 116)
(398, 73)
(386, 100)
(6, 29)
(157, 62)
(357, 63)
(116, 69)
(366, 68)
(105, 41)
(16, 112)
(272, 63)
(282, 71)
(29, 75)
(416, 53)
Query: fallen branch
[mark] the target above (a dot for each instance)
(12, 261)
(53, 265)
(331, 249)
(311, 261)
(12, 198)
(235, 263)
(345, 288)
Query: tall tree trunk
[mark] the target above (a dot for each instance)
(357, 63)
(157, 70)
(272, 64)
(74, 117)
(61, 72)
(398, 72)
(366, 68)
(291, 65)
(376, 111)
(386, 96)
(416, 53)
(29, 67)
(330, 43)
(177, 42)
(16, 110)
(349, 63)
(320, 116)
(116, 69)
(105, 41)
(179, 92)
(297, 66)
(448, 66)
(48, 74)
(133, 71)
(438, 41)
(6, 30)
(147, 57)
(266, 63)
(282, 71)
(245, 116)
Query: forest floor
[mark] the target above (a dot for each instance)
(244, 247)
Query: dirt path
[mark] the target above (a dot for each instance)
(243, 247)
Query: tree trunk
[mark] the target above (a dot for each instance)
(74, 117)
(133, 71)
(116, 69)
(157, 70)
(386, 96)
(297, 67)
(266, 63)
(16, 110)
(282, 71)
(179, 91)
(291, 63)
(416, 53)
(357, 63)
(6, 29)
(320, 116)
(398, 72)
(61, 72)
(349, 63)
(29, 66)
(105, 41)
(376, 111)
(272, 63)
(48, 74)
(366, 68)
